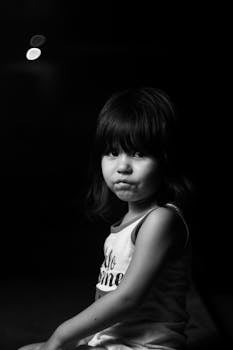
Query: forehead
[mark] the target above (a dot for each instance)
(126, 133)
(125, 142)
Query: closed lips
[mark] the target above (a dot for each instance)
(123, 181)
(123, 184)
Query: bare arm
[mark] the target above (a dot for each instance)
(154, 241)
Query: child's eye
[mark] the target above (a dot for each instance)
(138, 155)
(113, 153)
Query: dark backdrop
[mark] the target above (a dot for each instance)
(48, 113)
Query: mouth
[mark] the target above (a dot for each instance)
(123, 185)
(123, 182)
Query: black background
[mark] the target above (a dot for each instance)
(48, 113)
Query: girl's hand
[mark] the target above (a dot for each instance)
(52, 344)
(38, 346)
(35, 346)
(48, 345)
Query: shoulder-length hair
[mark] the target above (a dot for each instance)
(140, 120)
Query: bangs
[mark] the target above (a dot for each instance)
(128, 132)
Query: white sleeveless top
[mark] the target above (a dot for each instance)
(159, 322)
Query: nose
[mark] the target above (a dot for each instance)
(124, 164)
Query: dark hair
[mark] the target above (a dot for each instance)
(140, 119)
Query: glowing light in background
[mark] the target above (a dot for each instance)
(33, 53)
(37, 40)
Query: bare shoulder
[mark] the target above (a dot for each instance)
(162, 216)
(166, 224)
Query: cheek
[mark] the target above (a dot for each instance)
(153, 176)
(106, 171)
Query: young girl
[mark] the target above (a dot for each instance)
(143, 281)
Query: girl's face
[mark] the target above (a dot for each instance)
(132, 177)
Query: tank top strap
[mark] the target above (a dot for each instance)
(179, 212)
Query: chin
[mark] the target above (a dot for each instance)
(126, 197)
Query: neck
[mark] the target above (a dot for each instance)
(137, 208)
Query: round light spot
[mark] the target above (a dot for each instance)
(37, 40)
(33, 53)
